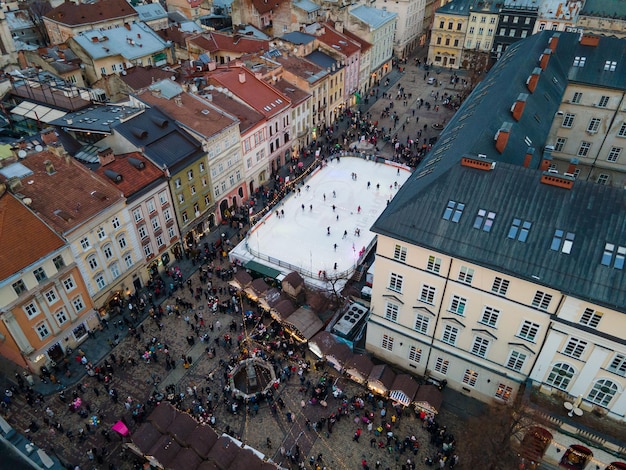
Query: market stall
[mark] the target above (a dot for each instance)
(576, 457)
(403, 389)
(428, 400)
(358, 368)
(381, 379)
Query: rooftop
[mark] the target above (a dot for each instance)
(76, 14)
(64, 193)
(24, 238)
(214, 42)
(98, 118)
(338, 41)
(139, 78)
(131, 173)
(300, 67)
(306, 5)
(604, 9)
(373, 17)
(150, 11)
(131, 41)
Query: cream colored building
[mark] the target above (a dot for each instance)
(447, 38)
(410, 25)
(481, 30)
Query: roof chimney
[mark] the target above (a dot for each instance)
(242, 77)
(49, 167)
(212, 66)
(573, 163)
(106, 156)
(546, 161)
(560, 181)
(589, 40)
(480, 163)
(554, 40)
(127, 26)
(502, 136)
(530, 152)
(545, 57)
(533, 79)
(49, 136)
(518, 107)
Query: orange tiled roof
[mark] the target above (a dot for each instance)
(72, 14)
(265, 6)
(340, 42)
(139, 78)
(134, 179)
(264, 98)
(215, 42)
(365, 46)
(69, 195)
(24, 238)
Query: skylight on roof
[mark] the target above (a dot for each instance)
(484, 220)
(610, 66)
(562, 241)
(579, 61)
(519, 230)
(613, 257)
(453, 211)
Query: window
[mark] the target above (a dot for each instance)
(108, 252)
(61, 317)
(391, 311)
(177, 183)
(115, 223)
(42, 330)
(159, 240)
(185, 217)
(562, 241)
(51, 296)
(604, 101)
(150, 206)
(387, 342)
(434, 264)
(167, 215)
(121, 241)
(577, 97)
(100, 282)
(575, 347)
(560, 375)
(181, 198)
(40, 274)
(614, 154)
(441, 365)
(101, 233)
(470, 377)
(78, 304)
(594, 125)
(500, 286)
(618, 365)
(201, 167)
(58, 262)
(115, 271)
(516, 361)
(457, 304)
(138, 214)
(484, 220)
(421, 323)
(19, 287)
(583, 150)
(603, 391)
(504, 392)
(519, 230)
(466, 275)
(603, 178)
(613, 257)
(31, 310)
(147, 250)
(427, 295)
(399, 253)
(395, 282)
(453, 211)
(622, 131)
(590, 318)
(163, 198)
(192, 188)
(190, 175)
(568, 120)
(128, 259)
(541, 300)
(69, 284)
(84, 243)
(415, 355)
(143, 233)
(480, 346)
(490, 316)
(609, 66)
(171, 232)
(528, 331)
(450, 334)
(155, 223)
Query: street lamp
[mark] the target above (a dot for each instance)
(574, 408)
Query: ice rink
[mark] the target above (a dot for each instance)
(319, 229)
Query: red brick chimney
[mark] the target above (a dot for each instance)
(546, 161)
(554, 40)
(573, 163)
(528, 158)
(49, 136)
(533, 79)
(589, 40)
(106, 156)
(502, 136)
(518, 107)
(545, 58)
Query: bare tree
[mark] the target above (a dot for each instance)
(490, 441)
(477, 65)
(36, 10)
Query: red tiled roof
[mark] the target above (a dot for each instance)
(297, 96)
(69, 195)
(365, 46)
(175, 34)
(215, 42)
(139, 78)
(192, 112)
(298, 66)
(339, 42)
(265, 6)
(248, 117)
(266, 99)
(133, 179)
(72, 14)
(24, 238)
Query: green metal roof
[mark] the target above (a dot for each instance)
(262, 269)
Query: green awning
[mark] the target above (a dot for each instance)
(262, 269)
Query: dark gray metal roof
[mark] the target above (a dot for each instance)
(163, 141)
(596, 214)
(596, 70)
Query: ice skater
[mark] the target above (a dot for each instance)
(335, 247)
(345, 234)
(327, 230)
(302, 207)
(324, 197)
(335, 266)
(334, 193)
(311, 207)
(368, 185)
(334, 208)
(358, 210)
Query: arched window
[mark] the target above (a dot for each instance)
(561, 375)
(602, 392)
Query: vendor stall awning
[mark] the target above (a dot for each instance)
(262, 269)
(37, 112)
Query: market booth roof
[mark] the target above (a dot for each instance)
(262, 269)
(428, 398)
